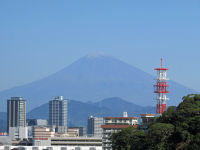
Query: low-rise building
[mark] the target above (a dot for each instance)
(147, 118)
(18, 133)
(82, 131)
(76, 131)
(73, 132)
(113, 125)
(50, 147)
(5, 140)
(42, 136)
(77, 141)
(36, 122)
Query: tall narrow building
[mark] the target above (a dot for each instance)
(94, 126)
(58, 114)
(16, 118)
(16, 112)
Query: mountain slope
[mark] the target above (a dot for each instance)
(78, 112)
(118, 105)
(93, 78)
(3, 121)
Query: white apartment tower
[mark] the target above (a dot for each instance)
(58, 114)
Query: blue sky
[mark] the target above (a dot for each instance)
(38, 38)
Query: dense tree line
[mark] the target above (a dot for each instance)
(177, 129)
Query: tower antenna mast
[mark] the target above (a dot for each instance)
(161, 89)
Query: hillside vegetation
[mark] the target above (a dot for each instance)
(177, 129)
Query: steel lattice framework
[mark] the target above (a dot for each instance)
(161, 89)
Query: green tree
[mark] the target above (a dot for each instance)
(158, 136)
(176, 129)
(128, 139)
(138, 140)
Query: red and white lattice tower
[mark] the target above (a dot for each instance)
(161, 89)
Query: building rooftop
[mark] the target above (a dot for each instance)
(147, 114)
(117, 126)
(120, 117)
(16, 98)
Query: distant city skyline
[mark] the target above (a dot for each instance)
(42, 37)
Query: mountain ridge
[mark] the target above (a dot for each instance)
(93, 79)
(78, 112)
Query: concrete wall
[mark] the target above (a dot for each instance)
(42, 142)
(51, 147)
(18, 133)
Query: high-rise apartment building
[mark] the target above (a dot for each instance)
(94, 126)
(16, 112)
(16, 118)
(58, 114)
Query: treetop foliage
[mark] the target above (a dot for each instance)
(176, 129)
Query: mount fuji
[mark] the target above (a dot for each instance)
(92, 78)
